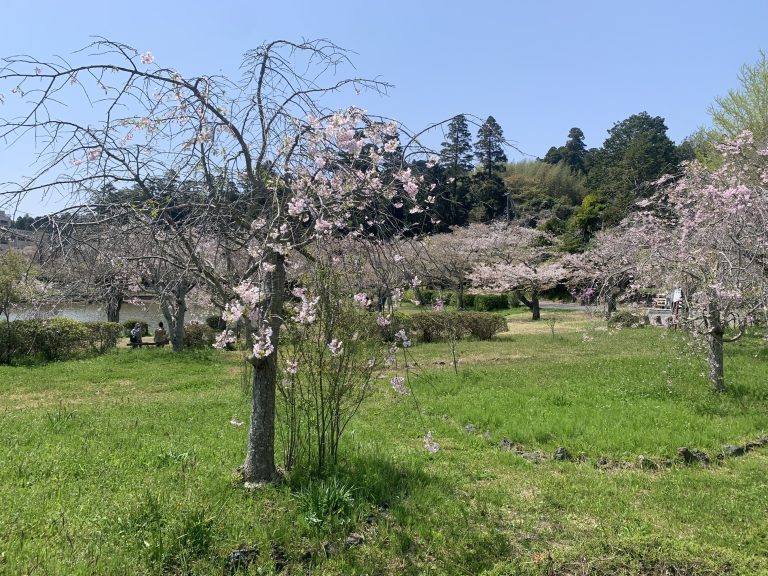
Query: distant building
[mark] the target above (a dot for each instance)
(11, 237)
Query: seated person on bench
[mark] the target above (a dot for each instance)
(136, 334)
(161, 336)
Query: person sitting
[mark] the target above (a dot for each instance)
(135, 338)
(161, 336)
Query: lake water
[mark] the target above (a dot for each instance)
(148, 312)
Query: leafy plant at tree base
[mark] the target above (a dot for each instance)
(329, 361)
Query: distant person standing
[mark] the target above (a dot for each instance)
(161, 336)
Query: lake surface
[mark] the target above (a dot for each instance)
(148, 312)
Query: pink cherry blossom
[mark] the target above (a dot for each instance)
(398, 385)
(336, 347)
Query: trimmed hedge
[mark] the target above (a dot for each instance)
(434, 326)
(55, 339)
(489, 302)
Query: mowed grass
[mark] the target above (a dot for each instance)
(123, 464)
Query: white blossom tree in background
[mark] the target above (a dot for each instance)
(522, 260)
(243, 174)
(605, 272)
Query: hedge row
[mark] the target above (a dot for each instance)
(434, 326)
(55, 339)
(477, 302)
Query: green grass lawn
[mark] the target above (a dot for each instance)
(123, 464)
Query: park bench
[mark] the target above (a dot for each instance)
(149, 344)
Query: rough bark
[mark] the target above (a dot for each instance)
(460, 296)
(113, 308)
(259, 466)
(610, 305)
(533, 304)
(716, 375)
(716, 330)
(177, 324)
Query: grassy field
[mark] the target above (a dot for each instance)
(124, 464)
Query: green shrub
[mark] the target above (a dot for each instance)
(129, 324)
(424, 296)
(397, 321)
(197, 335)
(54, 339)
(469, 301)
(483, 326)
(215, 322)
(626, 319)
(103, 335)
(433, 326)
(489, 302)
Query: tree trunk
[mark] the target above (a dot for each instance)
(716, 376)
(177, 324)
(114, 303)
(460, 296)
(610, 305)
(533, 304)
(716, 331)
(177, 329)
(174, 309)
(535, 308)
(259, 466)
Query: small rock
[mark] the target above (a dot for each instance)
(354, 539)
(561, 454)
(240, 560)
(532, 456)
(328, 549)
(691, 456)
(646, 463)
(470, 428)
(731, 450)
(278, 557)
(701, 456)
(602, 461)
(505, 444)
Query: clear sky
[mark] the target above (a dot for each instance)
(539, 67)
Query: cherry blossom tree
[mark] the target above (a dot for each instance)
(707, 233)
(244, 174)
(604, 273)
(446, 260)
(521, 260)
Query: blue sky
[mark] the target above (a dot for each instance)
(539, 68)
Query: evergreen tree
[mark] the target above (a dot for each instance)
(456, 161)
(636, 152)
(489, 148)
(572, 153)
(575, 150)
